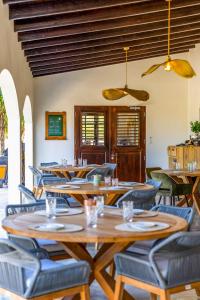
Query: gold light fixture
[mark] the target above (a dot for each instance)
(117, 93)
(179, 66)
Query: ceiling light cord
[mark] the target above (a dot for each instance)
(126, 53)
(169, 27)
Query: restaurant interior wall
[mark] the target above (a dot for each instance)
(194, 87)
(13, 62)
(166, 110)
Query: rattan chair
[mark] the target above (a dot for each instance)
(24, 276)
(172, 266)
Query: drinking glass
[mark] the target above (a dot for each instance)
(51, 207)
(194, 165)
(84, 162)
(115, 182)
(100, 205)
(74, 163)
(127, 211)
(80, 162)
(91, 216)
(189, 167)
(177, 166)
(107, 180)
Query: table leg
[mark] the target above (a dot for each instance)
(111, 199)
(196, 194)
(79, 198)
(81, 174)
(99, 263)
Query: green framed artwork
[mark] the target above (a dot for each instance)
(55, 125)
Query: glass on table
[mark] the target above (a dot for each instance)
(107, 180)
(84, 162)
(91, 213)
(100, 205)
(127, 211)
(177, 166)
(51, 207)
(74, 163)
(80, 162)
(115, 182)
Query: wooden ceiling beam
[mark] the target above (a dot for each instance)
(107, 59)
(109, 24)
(112, 13)
(88, 52)
(106, 55)
(132, 32)
(50, 8)
(64, 70)
(119, 42)
(23, 1)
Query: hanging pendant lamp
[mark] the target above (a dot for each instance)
(179, 66)
(117, 93)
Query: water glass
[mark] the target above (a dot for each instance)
(96, 179)
(84, 162)
(91, 216)
(107, 180)
(80, 162)
(51, 207)
(177, 166)
(127, 211)
(194, 165)
(100, 205)
(74, 163)
(115, 182)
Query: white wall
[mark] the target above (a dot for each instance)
(16, 82)
(166, 109)
(194, 86)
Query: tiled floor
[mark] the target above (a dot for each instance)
(96, 292)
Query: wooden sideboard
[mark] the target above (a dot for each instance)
(183, 155)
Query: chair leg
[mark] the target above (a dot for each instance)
(159, 199)
(119, 287)
(153, 297)
(197, 290)
(186, 199)
(85, 293)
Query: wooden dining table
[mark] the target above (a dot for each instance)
(188, 177)
(65, 171)
(111, 240)
(81, 192)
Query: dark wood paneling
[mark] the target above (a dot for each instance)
(70, 69)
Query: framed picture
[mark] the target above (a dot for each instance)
(55, 125)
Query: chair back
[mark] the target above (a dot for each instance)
(102, 171)
(181, 255)
(48, 164)
(141, 199)
(15, 263)
(111, 166)
(35, 171)
(28, 194)
(149, 170)
(186, 213)
(167, 182)
(154, 183)
(13, 209)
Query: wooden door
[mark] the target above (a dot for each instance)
(91, 133)
(112, 134)
(127, 142)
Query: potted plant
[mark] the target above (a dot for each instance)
(195, 128)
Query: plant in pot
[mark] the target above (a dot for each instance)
(195, 128)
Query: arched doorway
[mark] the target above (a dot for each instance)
(28, 141)
(12, 109)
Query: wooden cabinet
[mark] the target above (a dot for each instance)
(183, 155)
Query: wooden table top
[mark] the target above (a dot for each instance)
(68, 168)
(90, 189)
(104, 233)
(181, 172)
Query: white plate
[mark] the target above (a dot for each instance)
(66, 187)
(130, 183)
(138, 211)
(61, 212)
(80, 182)
(135, 228)
(55, 227)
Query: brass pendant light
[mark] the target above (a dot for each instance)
(117, 93)
(179, 66)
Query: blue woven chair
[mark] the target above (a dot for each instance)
(53, 249)
(172, 266)
(24, 276)
(186, 213)
(111, 166)
(102, 171)
(39, 179)
(142, 199)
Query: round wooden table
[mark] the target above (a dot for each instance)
(85, 191)
(111, 240)
(64, 171)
